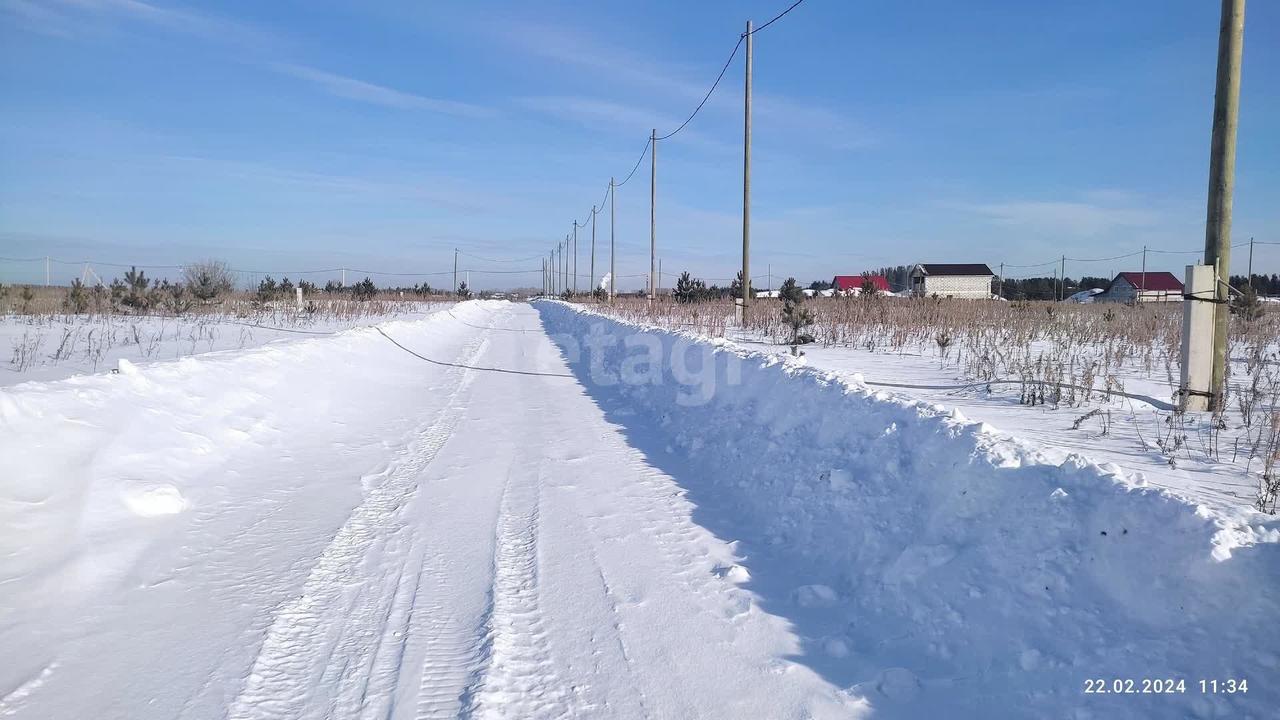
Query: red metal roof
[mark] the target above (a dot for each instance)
(1153, 281)
(846, 283)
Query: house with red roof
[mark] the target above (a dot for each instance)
(852, 284)
(1149, 286)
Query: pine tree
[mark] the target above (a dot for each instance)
(1247, 305)
(364, 290)
(794, 314)
(868, 289)
(77, 297)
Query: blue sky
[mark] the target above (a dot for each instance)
(296, 135)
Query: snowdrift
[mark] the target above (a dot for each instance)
(930, 565)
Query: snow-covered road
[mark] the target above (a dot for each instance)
(336, 528)
(516, 511)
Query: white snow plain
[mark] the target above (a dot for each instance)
(533, 511)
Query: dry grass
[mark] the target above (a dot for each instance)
(1058, 354)
(51, 334)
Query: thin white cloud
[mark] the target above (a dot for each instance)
(72, 18)
(446, 192)
(620, 65)
(361, 91)
(614, 117)
(1081, 219)
(810, 122)
(684, 85)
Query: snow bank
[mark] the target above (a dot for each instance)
(125, 496)
(929, 565)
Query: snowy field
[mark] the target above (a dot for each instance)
(54, 346)
(506, 510)
(1095, 385)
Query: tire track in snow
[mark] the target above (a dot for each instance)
(330, 647)
(518, 678)
(635, 702)
(452, 651)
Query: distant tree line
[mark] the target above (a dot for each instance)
(207, 282)
(1045, 288)
(898, 276)
(1262, 284)
(690, 289)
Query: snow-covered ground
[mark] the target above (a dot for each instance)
(58, 346)
(530, 511)
(1129, 439)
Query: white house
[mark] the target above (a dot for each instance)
(952, 280)
(1129, 287)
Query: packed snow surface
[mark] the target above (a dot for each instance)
(530, 511)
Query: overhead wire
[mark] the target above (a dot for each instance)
(640, 159)
(778, 17)
(500, 260)
(714, 85)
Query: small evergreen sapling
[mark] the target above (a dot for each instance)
(794, 314)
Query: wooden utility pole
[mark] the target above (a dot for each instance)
(653, 198)
(746, 184)
(592, 285)
(1000, 284)
(613, 279)
(455, 271)
(1062, 279)
(1222, 167)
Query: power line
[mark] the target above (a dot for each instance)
(485, 259)
(469, 367)
(1105, 259)
(778, 17)
(1051, 262)
(714, 85)
(607, 190)
(639, 160)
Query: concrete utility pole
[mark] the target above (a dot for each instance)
(1000, 283)
(575, 256)
(1250, 270)
(344, 273)
(455, 271)
(592, 288)
(1144, 272)
(653, 217)
(46, 271)
(1222, 167)
(613, 279)
(746, 184)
